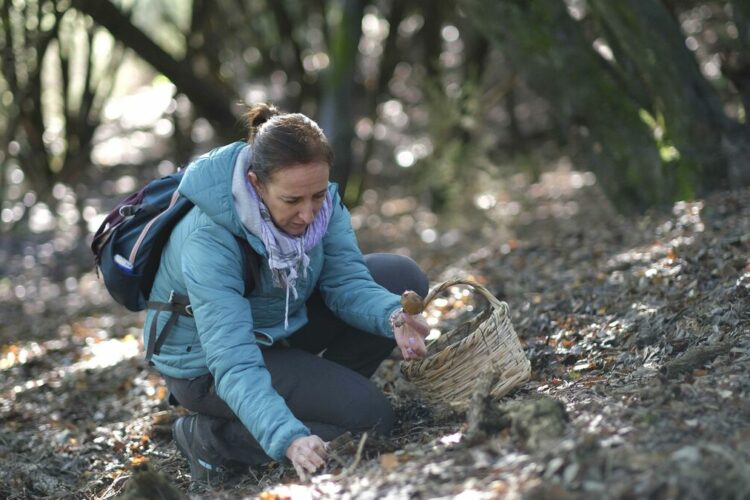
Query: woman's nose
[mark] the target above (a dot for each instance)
(307, 214)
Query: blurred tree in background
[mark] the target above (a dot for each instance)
(626, 88)
(650, 95)
(53, 89)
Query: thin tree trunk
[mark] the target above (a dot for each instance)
(358, 174)
(337, 112)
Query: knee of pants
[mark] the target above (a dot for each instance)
(382, 416)
(397, 273)
(372, 413)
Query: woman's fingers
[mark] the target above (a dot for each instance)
(410, 335)
(314, 460)
(420, 350)
(318, 445)
(412, 345)
(317, 451)
(305, 465)
(418, 323)
(300, 471)
(308, 464)
(307, 454)
(417, 346)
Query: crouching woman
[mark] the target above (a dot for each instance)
(274, 373)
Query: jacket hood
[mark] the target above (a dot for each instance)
(208, 183)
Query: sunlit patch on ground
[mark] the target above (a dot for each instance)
(109, 352)
(95, 355)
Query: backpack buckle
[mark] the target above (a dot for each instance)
(180, 300)
(127, 210)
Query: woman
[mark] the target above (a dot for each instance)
(251, 368)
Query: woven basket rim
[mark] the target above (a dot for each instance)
(453, 345)
(503, 351)
(493, 304)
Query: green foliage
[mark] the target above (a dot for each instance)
(682, 170)
(450, 171)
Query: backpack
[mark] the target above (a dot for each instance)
(127, 251)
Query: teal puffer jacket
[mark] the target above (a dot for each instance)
(225, 336)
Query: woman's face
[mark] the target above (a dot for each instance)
(294, 195)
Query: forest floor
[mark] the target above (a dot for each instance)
(636, 329)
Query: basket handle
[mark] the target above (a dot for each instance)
(494, 301)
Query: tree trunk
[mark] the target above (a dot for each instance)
(431, 37)
(550, 52)
(213, 103)
(377, 89)
(695, 123)
(336, 111)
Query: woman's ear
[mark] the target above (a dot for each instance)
(254, 181)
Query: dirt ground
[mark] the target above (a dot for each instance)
(636, 329)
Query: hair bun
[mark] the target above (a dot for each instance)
(257, 115)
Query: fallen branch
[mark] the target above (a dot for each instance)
(693, 358)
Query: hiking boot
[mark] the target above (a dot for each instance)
(206, 472)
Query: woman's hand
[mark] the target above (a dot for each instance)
(410, 331)
(307, 454)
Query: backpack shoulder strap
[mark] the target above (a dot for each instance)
(176, 305)
(180, 304)
(251, 264)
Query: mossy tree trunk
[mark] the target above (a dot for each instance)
(551, 53)
(651, 126)
(650, 48)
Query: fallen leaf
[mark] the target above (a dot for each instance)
(268, 495)
(138, 460)
(388, 461)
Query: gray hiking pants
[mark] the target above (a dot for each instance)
(328, 392)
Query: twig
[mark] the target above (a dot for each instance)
(337, 458)
(110, 493)
(357, 456)
(481, 398)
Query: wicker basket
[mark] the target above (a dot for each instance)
(449, 376)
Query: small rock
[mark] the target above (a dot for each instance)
(687, 454)
(553, 466)
(593, 486)
(570, 473)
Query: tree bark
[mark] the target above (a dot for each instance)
(654, 47)
(431, 37)
(336, 111)
(601, 122)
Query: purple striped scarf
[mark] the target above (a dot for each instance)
(287, 254)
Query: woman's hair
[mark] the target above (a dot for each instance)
(281, 140)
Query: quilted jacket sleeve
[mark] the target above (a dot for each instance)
(212, 267)
(345, 282)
